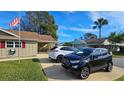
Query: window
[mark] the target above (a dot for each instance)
(97, 53)
(104, 51)
(68, 49)
(17, 44)
(10, 44)
(64, 48)
(13, 44)
(87, 52)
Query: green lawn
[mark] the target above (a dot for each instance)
(118, 54)
(120, 79)
(26, 70)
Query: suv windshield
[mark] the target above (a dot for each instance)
(86, 51)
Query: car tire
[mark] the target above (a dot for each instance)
(84, 73)
(59, 59)
(109, 67)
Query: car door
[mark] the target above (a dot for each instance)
(104, 57)
(96, 59)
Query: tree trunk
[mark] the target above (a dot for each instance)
(100, 32)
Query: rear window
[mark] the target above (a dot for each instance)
(69, 49)
(53, 48)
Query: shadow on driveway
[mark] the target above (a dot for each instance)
(56, 72)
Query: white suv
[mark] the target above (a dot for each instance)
(57, 52)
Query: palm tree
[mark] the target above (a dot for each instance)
(99, 23)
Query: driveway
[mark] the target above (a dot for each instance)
(54, 71)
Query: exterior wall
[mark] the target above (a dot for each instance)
(29, 50)
(106, 42)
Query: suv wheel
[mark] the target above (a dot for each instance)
(84, 73)
(109, 67)
(59, 59)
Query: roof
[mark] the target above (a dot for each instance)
(46, 38)
(76, 41)
(27, 35)
(95, 41)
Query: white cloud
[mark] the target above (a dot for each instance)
(63, 27)
(61, 33)
(115, 18)
(80, 29)
(70, 12)
(64, 35)
(80, 25)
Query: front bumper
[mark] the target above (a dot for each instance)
(72, 68)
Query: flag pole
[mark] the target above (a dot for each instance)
(19, 37)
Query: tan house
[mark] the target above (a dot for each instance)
(29, 44)
(102, 42)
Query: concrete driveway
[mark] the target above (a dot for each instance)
(54, 71)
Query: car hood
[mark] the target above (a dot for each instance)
(73, 56)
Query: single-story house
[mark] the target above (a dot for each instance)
(79, 43)
(102, 42)
(30, 42)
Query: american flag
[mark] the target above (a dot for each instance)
(15, 21)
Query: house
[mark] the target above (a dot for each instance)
(102, 42)
(97, 42)
(79, 43)
(30, 42)
(105, 43)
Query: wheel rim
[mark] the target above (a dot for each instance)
(110, 67)
(59, 59)
(84, 73)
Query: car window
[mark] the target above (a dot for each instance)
(104, 51)
(68, 49)
(97, 52)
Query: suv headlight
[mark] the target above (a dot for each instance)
(74, 61)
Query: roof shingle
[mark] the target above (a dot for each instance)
(26, 35)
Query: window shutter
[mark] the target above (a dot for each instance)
(2, 44)
(23, 44)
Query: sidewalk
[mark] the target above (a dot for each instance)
(37, 56)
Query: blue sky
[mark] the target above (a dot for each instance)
(74, 24)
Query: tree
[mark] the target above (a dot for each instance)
(99, 23)
(39, 21)
(112, 37)
(68, 44)
(88, 36)
(116, 38)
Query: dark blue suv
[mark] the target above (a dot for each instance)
(87, 60)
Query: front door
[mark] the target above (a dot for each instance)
(96, 62)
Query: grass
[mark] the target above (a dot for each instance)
(118, 54)
(120, 79)
(26, 70)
